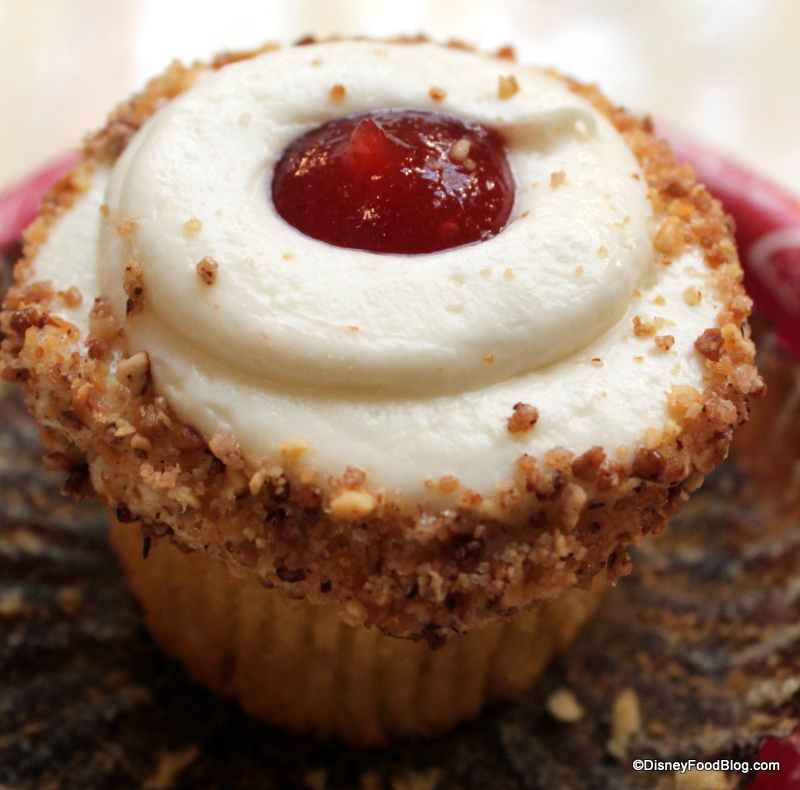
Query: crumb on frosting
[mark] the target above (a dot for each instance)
(337, 94)
(692, 296)
(193, 226)
(710, 344)
(133, 284)
(207, 270)
(664, 342)
(507, 86)
(523, 419)
(643, 328)
(125, 226)
(72, 297)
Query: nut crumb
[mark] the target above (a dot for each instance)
(710, 344)
(643, 328)
(669, 239)
(207, 270)
(597, 362)
(507, 86)
(226, 448)
(578, 272)
(586, 467)
(105, 211)
(684, 401)
(470, 498)
(488, 358)
(292, 449)
(523, 419)
(193, 226)
(509, 274)
(448, 484)
(352, 504)
(660, 300)
(338, 94)
(557, 179)
(133, 283)
(72, 297)
(134, 372)
(563, 705)
(139, 442)
(459, 151)
(437, 94)
(664, 342)
(559, 458)
(626, 720)
(125, 226)
(287, 256)
(692, 296)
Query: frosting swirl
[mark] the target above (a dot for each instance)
(293, 311)
(405, 366)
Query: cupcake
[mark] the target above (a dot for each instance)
(377, 347)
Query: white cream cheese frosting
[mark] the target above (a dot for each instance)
(407, 367)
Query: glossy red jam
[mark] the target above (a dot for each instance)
(396, 181)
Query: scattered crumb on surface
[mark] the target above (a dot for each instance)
(564, 706)
(703, 780)
(170, 766)
(626, 720)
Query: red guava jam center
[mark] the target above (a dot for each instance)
(396, 181)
